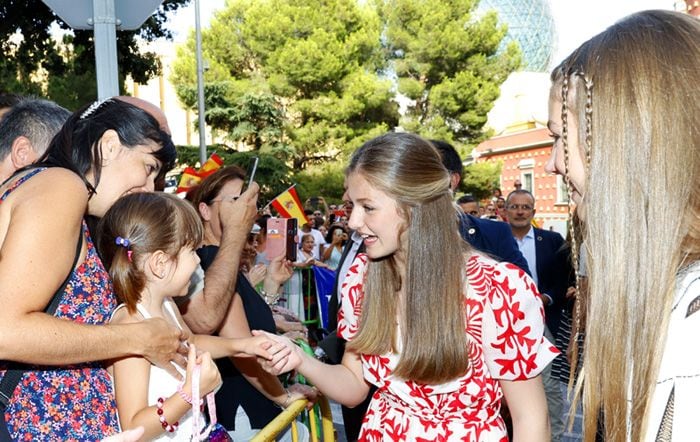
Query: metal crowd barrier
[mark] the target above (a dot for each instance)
(288, 417)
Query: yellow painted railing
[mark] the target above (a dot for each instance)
(288, 416)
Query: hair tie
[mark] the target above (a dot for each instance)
(93, 107)
(123, 242)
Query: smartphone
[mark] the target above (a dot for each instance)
(281, 238)
(250, 173)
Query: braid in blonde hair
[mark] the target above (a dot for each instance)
(567, 181)
(572, 225)
(575, 246)
(572, 230)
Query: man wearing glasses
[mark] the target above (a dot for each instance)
(547, 256)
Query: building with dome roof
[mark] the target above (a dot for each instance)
(521, 143)
(531, 24)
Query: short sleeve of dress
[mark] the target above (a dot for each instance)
(351, 294)
(513, 324)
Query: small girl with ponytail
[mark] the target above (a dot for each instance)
(148, 242)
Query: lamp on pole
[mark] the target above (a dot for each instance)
(200, 86)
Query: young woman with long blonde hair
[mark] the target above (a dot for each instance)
(624, 116)
(442, 331)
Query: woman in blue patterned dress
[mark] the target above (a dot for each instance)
(104, 151)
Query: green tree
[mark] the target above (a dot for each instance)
(32, 62)
(447, 64)
(255, 119)
(480, 179)
(324, 180)
(319, 63)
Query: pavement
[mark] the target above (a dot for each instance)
(338, 422)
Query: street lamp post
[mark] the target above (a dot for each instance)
(104, 17)
(200, 87)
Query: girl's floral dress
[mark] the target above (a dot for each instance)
(505, 324)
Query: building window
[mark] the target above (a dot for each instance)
(562, 192)
(527, 175)
(528, 181)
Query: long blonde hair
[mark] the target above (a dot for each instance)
(432, 316)
(631, 89)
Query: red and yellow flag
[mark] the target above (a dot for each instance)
(210, 166)
(190, 178)
(288, 205)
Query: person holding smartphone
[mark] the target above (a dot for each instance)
(336, 237)
(259, 394)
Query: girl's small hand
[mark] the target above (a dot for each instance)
(255, 346)
(209, 376)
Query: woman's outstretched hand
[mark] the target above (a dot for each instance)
(286, 355)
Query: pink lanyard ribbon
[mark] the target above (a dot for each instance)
(198, 432)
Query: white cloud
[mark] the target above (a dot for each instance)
(577, 21)
(183, 21)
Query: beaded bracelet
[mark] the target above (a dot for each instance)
(161, 417)
(270, 299)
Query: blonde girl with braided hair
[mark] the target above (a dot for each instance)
(623, 114)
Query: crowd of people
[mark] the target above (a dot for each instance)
(125, 308)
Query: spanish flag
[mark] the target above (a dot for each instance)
(190, 177)
(288, 205)
(210, 166)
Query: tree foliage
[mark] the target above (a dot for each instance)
(309, 69)
(480, 179)
(32, 62)
(447, 63)
(324, 180)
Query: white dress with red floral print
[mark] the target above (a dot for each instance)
(505, 324)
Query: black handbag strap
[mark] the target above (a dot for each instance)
(14, 374)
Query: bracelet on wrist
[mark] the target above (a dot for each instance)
(270, 299)
(287, 400)
(186, 397)
(161, 417)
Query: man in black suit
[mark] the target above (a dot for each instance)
(491, 237)
(547, 255)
